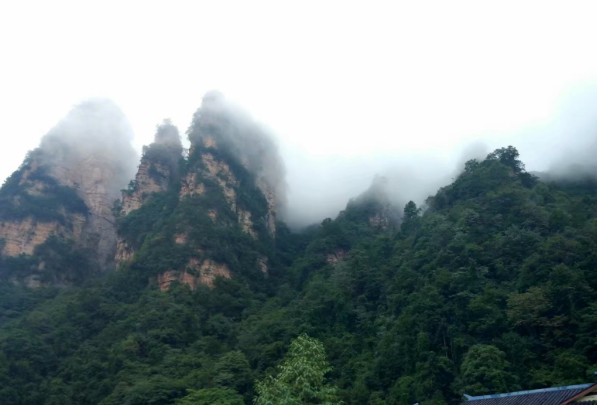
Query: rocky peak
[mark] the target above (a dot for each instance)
(65, 188)
(224, 136)
(156, 173)
(374, 205)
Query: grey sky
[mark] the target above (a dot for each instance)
(350, 88)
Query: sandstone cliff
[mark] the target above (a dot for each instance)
(196, 272)
(223, 135)
(212, 214)
(156, 173)
(66, 187)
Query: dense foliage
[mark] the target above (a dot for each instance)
(56, 262)
(300, 378)
(492, 288)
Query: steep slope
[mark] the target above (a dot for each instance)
(64, 191)
(491, 289)
(213, 216)
(157, 173)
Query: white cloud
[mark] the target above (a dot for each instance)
(334, 79)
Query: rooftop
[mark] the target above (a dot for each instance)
(544, 396)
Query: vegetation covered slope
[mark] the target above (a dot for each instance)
(491, 289)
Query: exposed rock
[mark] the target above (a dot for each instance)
(24, 236)
(221, 173)
(244, 218)
(379, 221)
(33, 187)
(33, 281)
(189, 186)
(196, 273)
(336, 257)
(270, 196)
(263, 264)
(210, 142)
(145, 185)
(123, 252)
(92, 178)
(219, 124)
(180, 238)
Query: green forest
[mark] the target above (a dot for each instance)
(489, 287)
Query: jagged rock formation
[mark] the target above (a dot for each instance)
(196, 273)
(157, 170)
(380, 211)
(217, 126)
(228, 189)
(66, 187)
(145, 185)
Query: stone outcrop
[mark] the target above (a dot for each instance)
(89, 151)
(145, 185)
(92, 177)
(158, 169)
(336, 256)
(263, 264)
(221, 173)
(124, 253)
(219, 125)
(379, 220)
(24, 236)
(190, 186)
(197, 272)
(244, 219)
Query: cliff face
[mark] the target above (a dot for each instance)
(92, 177)
(195, 273)
(222, 133)
(66, 187)
(145, 185)
(156, 173)
(216, 212)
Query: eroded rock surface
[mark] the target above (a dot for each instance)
(197, 272)
(151, 178)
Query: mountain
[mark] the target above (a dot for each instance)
(55, 211)
(211, 214)
(489, 287)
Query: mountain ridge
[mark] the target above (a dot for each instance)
(489, 287)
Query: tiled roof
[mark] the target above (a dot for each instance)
(547, 396)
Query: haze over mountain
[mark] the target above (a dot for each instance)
(382, 204)
(190, 284)
(363, 84)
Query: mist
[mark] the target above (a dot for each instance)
(249, 140)
(94, 129)
(321, 188)
(562, 145)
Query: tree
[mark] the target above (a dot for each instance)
(411, 211)
(211, 396)
(509, 157)
(233, 371)
(484, 371)
(300, 378)
(410, 219)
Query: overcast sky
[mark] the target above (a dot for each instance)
(348, 87)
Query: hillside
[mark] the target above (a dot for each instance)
(490, 288)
